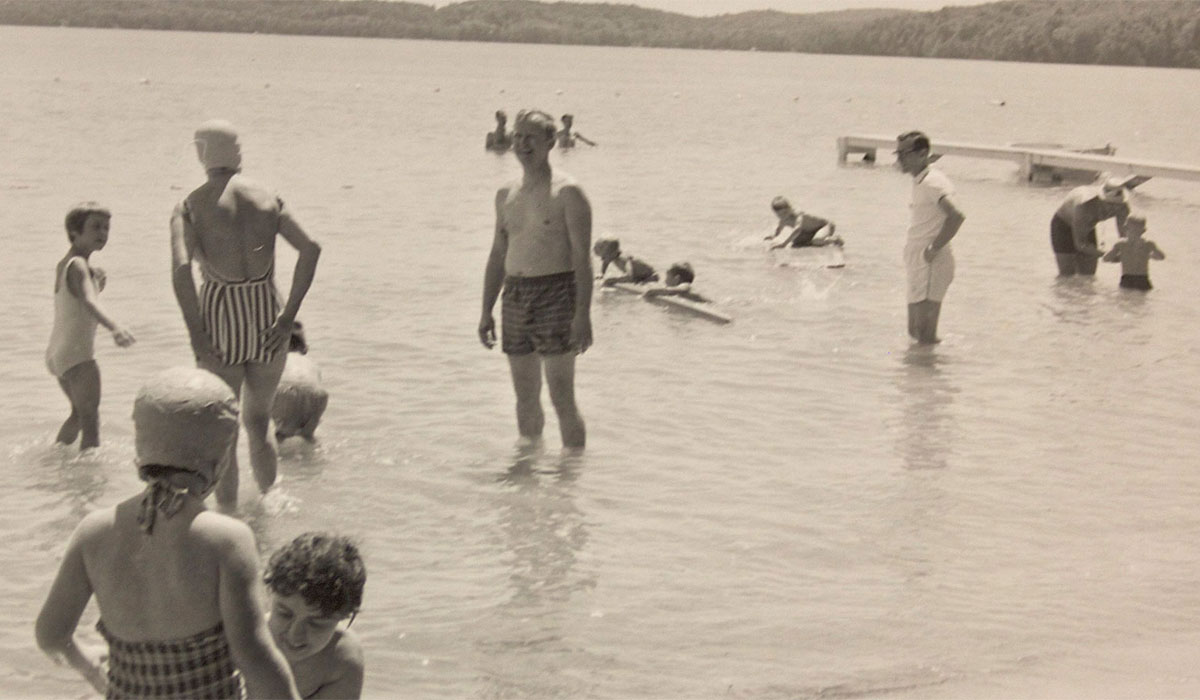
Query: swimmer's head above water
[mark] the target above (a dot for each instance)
(217, 146)
(607, 248)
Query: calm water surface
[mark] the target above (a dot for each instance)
(796, 505)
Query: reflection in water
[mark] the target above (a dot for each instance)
(927, 434)
(542, 532)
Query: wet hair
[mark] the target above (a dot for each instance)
(607, 245)
(538, 118)
(780, 203)
(324, 569)
(501, 115)
(683, 271)
(568, 117)
(1138, 218)
(79, 214)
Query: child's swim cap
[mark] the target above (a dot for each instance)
(217, 145)
(184, 418)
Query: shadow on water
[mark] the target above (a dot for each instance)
(529, 650)
(927, 433)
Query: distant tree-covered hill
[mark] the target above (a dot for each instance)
(1114, 32)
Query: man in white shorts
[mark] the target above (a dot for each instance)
(928, 260)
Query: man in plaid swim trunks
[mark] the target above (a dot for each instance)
(541, 259)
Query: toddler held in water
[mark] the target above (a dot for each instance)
(70, 356)
(1134, 253)
(315, 582)
(175, 583)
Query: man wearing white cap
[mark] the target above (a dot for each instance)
(238, 328)
(1073, 226)
(928, 261)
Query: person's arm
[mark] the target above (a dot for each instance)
(81, 286)
(581, 137)
(56, 623)
(280, 332)
(183, 244)
(578, 214)
(777, 230)
(262, 665)
(950, 225)
(1155, 252)
(1081, 223)
(790, 238)
(1114, 253)
(1122, 216)
(493, 274)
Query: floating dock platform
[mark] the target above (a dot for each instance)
(1031, 161)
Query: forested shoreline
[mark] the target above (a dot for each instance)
(1163, 33)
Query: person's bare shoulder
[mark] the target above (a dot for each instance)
(259, 194)
(221, 533)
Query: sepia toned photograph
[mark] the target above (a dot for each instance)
(566, 350)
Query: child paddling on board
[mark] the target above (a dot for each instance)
(805, 228)
(635, 270)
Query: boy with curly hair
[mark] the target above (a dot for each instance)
(315, 582)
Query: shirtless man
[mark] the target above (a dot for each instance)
(541, 258)
(567, 138)
(1073, 226)
(237, 327)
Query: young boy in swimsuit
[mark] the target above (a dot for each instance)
(567, 138)
(804, 227)
(176, 586)
(70, 356)
(1134, 253)
(315, 583)
(636, 270)
(300, 400)
(677, 282)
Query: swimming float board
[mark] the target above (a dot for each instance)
(810, 256)
(697, 308)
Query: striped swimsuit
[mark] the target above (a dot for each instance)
(235, 315)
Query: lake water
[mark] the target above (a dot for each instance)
(797, 505)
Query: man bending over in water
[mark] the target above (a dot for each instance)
(237, 327)
(541, 258)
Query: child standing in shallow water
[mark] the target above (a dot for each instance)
(315, 582)
(1134, 254)
(180, 605)
(70, 356)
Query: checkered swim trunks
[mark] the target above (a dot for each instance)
(536, 314)
(199, 666)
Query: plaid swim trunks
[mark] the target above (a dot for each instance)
(200, 666)
(536, 314)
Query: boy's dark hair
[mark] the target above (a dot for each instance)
(79, 213)
(325, 569)
(684, 271)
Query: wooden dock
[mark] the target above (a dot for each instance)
(1031, 161)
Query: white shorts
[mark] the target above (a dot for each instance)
(928, 281)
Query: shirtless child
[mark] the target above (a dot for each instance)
(499, 140)
(316, 582)
(541, 259)
(238, 328)
(567, 138)
(678, 283)
(176, 584)
(1134, 253)
(70, 356)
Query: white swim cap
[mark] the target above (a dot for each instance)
(184, 418)
(217, 145)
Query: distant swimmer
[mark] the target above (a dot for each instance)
(1073, 226)
(677, 282)
(567, 138)
(300, 400)
(935, 219)
(1135, 253)
(70, 356)
(541, 259)
(633, 269)
(237, 326)
(805, 227)
(499, 140)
